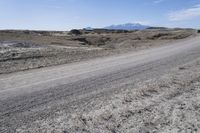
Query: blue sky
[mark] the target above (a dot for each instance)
(68, 14)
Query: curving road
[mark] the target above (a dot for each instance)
(38, 94)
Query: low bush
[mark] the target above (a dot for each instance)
(75, 32)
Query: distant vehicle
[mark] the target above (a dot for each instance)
(198, 31)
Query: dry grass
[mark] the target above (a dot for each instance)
(34, 49)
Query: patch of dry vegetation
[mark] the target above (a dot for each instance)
(23, 56)
(96, 37)
(34, 49)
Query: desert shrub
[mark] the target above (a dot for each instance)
(181, 36)
(75, 32)
(82, 39)
(157, 36)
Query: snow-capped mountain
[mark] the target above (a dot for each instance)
(128, 26)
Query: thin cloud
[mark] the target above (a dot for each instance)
(186, 14)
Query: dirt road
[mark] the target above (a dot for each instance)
(40, 94)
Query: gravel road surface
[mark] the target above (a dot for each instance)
(41, 94)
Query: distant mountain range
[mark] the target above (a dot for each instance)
(128, 26)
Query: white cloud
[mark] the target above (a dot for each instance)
(158, 1)
(186, 14)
